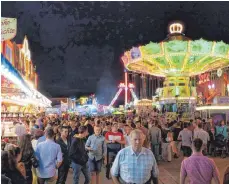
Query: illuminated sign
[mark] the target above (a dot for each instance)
(176, 27)
(203, 78)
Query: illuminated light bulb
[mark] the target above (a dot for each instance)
(213, 85)
(176, 27)
(209, 86)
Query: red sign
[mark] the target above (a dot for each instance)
(203, 78)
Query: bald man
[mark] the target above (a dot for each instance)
(135, 164)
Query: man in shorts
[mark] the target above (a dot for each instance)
(97, 149)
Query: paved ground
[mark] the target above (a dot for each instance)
(169, 171)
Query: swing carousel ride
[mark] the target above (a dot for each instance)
(178, 59)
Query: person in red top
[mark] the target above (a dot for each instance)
(115, 140)
(114, 136)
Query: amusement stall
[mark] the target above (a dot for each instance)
(213, 94)
(20, 98)
(180, 60)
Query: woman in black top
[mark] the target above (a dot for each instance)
(9, 165)
(27, 152)
(176, 131)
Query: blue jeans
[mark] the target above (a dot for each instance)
(77, 170)
(156, 150)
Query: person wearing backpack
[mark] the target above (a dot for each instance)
(79, 157)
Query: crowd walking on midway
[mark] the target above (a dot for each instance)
(130, 147)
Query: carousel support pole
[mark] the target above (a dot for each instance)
(144, 87)
(150, 88)
(153, 85)
(135, 83)
(126, 88)
(147, 84)
(141, 86)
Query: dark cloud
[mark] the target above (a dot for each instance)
(76, 46)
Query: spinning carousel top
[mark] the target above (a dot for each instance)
(177, 55)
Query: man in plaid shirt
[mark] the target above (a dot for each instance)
(135, 164)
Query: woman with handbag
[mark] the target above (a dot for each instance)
(28, 157)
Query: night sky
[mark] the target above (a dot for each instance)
(76, 46)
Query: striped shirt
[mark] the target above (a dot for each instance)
(134, 168)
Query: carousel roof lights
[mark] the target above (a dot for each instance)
(215, 107)
(185, 60)
(177, 56)
(176, 27)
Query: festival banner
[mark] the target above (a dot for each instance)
(9, 28)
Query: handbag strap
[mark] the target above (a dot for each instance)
(223, 130)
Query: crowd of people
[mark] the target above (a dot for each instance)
(130, 146)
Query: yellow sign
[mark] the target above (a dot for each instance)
(9, 28)
(171, 115)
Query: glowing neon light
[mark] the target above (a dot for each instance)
(134, 95)
(24, 102)
(126, 88)
(14, 77)
(121, 85)
(176, 28)
(131, 85)
(212, 108)
(115, 98)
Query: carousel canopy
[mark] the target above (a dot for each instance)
(177, 56)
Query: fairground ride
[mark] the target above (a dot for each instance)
(177, 59)
(126, 88)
